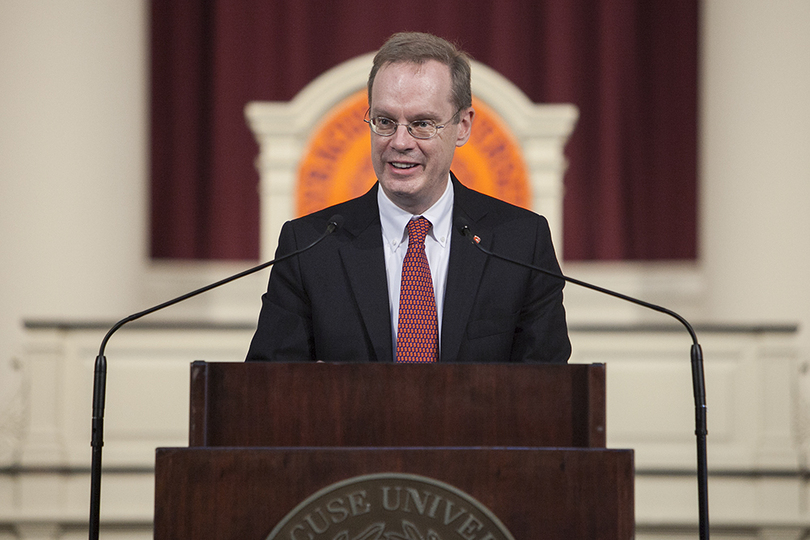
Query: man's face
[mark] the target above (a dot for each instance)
(413, 172)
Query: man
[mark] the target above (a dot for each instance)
(367, 293)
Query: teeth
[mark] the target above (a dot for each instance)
(403, 165)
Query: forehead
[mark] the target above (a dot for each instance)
(410, 88)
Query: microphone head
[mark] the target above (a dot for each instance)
(335, 222)
(462, 224)
(464, 228)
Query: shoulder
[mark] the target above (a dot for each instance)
(356, 214)
(492, 212)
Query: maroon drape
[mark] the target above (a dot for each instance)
(629, 65)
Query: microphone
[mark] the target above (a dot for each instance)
(100, 370)
(698, 380)
(335, 222)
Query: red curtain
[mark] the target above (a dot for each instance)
(629, 65)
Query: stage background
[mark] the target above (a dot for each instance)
(630, 66)
(75, 218)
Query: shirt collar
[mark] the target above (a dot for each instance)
(394, 219)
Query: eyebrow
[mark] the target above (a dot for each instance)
(418, 118)
(426, 116)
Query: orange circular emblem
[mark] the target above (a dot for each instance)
(336, 165)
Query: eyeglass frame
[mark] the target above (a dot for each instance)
(368, 120)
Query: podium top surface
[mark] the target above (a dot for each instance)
(397, 405)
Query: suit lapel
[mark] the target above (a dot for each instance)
(465, 269)
(364, 263)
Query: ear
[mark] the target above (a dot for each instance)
(465, 126)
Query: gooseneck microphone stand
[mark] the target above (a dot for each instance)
(698, 381)
(100, 370)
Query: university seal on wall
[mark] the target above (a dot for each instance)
(390, 506)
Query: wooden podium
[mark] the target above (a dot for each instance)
(525, 441)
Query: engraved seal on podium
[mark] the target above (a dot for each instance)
(390, 506)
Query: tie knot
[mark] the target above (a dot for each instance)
(417, 229)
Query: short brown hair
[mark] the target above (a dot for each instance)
(418, 48)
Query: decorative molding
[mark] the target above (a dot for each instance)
(758, 478)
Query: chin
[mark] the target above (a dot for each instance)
(403, 183)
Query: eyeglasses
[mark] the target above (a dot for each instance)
(419, 129)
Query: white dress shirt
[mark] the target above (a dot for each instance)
(437, 248)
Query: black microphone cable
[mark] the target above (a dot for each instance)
(698, 378)
(100, 370)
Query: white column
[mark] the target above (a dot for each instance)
(73, 164)
(755, 160)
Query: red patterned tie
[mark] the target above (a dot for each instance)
(417, 333)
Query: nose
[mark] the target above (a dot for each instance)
(402, 139)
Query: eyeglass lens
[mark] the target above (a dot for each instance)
(421, 129)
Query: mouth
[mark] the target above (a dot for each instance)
(403, 166)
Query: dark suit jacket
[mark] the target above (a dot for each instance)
(331, 302)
